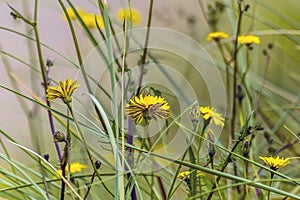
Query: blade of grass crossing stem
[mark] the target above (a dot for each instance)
(113, 144)
(53, 168)
(88, 32)
(120, 186)
(37, 188)
(239, 156)
(231, 177)
(226, 175)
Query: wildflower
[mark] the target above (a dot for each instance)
(72, 14)
(91, 20)
(184, 175)
(216, 36)
(74, 167)
(208, 113)
(144, 108)
(248, 39)
(187, 174)
(88, 18)
(129, 14)
(64, 90)
(275, 163)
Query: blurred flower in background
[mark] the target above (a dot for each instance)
(215, 36)
(89, 19)
(129, 14)
(74, 168)
(248, 39)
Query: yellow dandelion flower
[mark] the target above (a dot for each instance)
(90, 20)
(64, 91)
(275, 163)
(132, 15)
(74, 167)
(72, 14)
(248, 39)
(187, 175)
(215, 36)
(144, 108)
(208, 113)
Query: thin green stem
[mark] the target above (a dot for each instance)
(85, 146)
(80, 61)
(143, 60)
(159, 179)
(235, 76)
(270, 184)
(235, 68)
(227, 161)
(227, 67)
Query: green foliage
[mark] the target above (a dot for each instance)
(86, 146)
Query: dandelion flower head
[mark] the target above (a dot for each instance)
(275, 163)
(64, 90)
(142, 109)
(208, 113)
(72, 14)
(216, 36)
(187, 174)
(129, 14)
(91, 20)
(74, 167)
(248, 39)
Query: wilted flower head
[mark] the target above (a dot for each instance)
(248, 39)
(129, 14)
(275, 163)
(216, 36)
(64, 90)
(209, 113)
(144, 108)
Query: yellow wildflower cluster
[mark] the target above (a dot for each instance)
(92, 20)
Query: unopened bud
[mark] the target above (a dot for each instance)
(58, 136)
(246, 149)
(46, 156)
(240, 93)
(246, 8)
(97, 164)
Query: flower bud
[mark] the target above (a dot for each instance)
(46, 156)
(58, 136)
(246, 149)
(97, 164)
